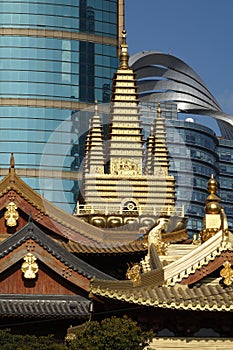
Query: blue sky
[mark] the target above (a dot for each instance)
(200, 32)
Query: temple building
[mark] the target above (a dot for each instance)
(183, 291)
(66, 268)
(122, 179)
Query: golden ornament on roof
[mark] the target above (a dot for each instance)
(227, 273)
(134, 274)
(29, 266)
(11, 215)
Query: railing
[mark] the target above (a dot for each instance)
(85, 209)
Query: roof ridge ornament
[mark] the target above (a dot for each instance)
(12, 168)
(30, 222)
(215, 218)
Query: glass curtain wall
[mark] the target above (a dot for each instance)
(56, 58)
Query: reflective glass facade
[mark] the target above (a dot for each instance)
(195, 154)
(200, 152)
(225, 153)
(56, 58)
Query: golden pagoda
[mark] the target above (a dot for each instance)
(117, 188)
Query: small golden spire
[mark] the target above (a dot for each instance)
(159, 110)
(214, 219)
(124, 56)
(96, 107)
(151, 130)
(212, 201)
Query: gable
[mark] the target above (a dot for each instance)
(52, 266)
(57, 268)
(29, 202)
(46, 282)
(208, 269)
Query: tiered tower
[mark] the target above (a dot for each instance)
(125, 137)
(125, 191)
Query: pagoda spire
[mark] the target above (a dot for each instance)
(161, 162)
(94, 155)
(149, 164)
(125, 136)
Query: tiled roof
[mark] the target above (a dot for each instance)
(31, 230)
(70, 223)
(105, 248)
(204, 297)
(163, 287)
(43, 306)
(70, 226)
(198, 257)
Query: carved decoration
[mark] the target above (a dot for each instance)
(39, 216)
(122, 166)
(67, 272)
(227, 273)
(29, 266)
(11, 195)
(11, 215)
(30, 245)
(134, 274)
(155, 237)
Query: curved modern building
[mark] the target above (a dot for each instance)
(56, 58)
(195, 150)
(165, 78)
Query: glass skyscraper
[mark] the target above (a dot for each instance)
(196, 153)
(56, 58)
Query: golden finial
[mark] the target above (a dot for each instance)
(151, 130)
(96, 107)
(159, 110)
(214, 219)
(124, 56)
(212, 201)
(212, 185)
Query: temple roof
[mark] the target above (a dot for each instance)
(32, 231)
(204, 297)
(75, 235)
(43, 306)
(64, 224)
(105, 248)
(200, 279)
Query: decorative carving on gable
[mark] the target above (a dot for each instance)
(30, 245)
(67, 272)
(11, 215)
(11, 195)
(39, 216)
(29, 266)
